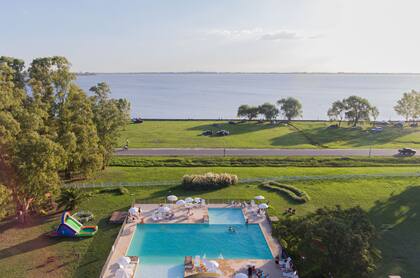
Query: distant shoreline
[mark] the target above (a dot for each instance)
(215, 72)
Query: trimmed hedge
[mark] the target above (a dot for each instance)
(289, 191)
(208, 180)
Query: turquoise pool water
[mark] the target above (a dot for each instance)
(226, 216)
(162, 247)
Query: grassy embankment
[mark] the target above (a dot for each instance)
(187, 134)
(393, 204)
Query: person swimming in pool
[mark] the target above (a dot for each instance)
(231, 229)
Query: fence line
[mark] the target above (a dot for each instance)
(246, 180)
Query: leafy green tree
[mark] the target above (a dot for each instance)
(358, 109)
(269, 111)
(250, 112)
(409, 106)
(78, 134)
(110, 117)
(330, 243)
(4, 200)
(290, 108)
(37, 162)
(71, 197)
(337, 112)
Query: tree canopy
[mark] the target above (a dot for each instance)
(337, 112)
(49, 126)
(290, 108)
(250, 112)
(330, 243)
(269, 111)
(409, 106)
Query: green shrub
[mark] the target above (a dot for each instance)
(123, 190)
(208, 180)
(289, 191)
(71, 197)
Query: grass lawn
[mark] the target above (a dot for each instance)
(392, 203)
(139, 174)
(187, 134)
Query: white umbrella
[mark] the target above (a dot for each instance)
(123, 273)
(197, 200)
(180, 202)
(263, 206)
(241, 275)
(172, 198)
(133, 210)
(214, 263)
(164, 209)
(124, 261)
(259, 197)
(189, 200)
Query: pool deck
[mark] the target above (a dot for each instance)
(123, 240)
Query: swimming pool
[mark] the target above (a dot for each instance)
(226, 216)
(162, 247)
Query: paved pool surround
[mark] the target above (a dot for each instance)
(123, 240)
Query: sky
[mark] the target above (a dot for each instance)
(216, 35)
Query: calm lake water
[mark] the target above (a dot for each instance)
(219, 95)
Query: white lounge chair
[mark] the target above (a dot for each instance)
(197, 261)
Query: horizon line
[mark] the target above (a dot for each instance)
(238, 72)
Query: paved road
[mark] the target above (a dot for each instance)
(254, 152)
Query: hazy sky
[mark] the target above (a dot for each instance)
(215, 35)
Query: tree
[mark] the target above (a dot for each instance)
(78, 134)
(4, 200)
(47, 125)
(337, 112)
(38, 160)
(330, 243)
(71, 197)
(290, 107)
(110, 117)
(358, 109)
(409, 106)
(269, 111)
(250, 112)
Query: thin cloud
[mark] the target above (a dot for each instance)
(260, 34)
(281, 35)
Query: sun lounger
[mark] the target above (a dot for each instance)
(197, 261)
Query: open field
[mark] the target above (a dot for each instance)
(187, 134)
(391, 202)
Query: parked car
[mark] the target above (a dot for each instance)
(377, 129)
(222, 132)
(232, 122)
(399, 124)
(332, 126)
(407, 152)
(414, 125)
(207, 133)
(137, 120)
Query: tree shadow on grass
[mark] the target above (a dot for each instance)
(357, 137)
(398, 220)
(236, 129)
(33, 220)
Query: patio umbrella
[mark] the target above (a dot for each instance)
(180, 203)
(123, 273)
(172, 198)
(189, 200)
(124, 261)
(197, 200)
(241, 275)
(133, 210)
(216, 264)
(263, 206)
(259, 197)
(164, 209)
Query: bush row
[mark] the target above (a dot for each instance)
(289, 191)
(264, 162)
(208, 180)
